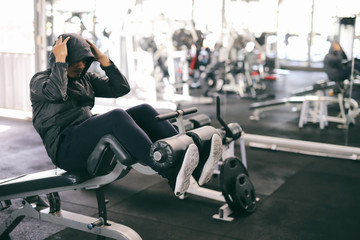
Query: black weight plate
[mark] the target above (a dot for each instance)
(237, 187)
(245, 194)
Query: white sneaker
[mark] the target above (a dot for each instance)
(190, 162)
(213, 159)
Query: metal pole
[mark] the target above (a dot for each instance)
(352, 60)
(39, 35)
(311, 33)
(302, 147)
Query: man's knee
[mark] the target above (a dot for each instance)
(143, 106)
(148, 108)
(142, 110)
(117, 112)
(116, 116)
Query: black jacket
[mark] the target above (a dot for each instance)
(59, 102)
(334, 64)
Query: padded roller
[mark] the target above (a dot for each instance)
(101, 159)
(202, 138)
(236, 130)
(188, 125)
(200, 120)
(166, 152)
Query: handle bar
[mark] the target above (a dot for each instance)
(222, 122)
(170, 115)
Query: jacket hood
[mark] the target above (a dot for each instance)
(78, 49)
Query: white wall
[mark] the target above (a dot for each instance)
(16, 53)
(16, 70)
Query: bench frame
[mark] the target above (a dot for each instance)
(36, 207)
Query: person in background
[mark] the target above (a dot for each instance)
(336, 64)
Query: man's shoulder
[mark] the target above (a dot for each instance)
(41, 74)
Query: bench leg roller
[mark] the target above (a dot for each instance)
(167, 152)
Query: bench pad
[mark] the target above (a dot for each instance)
(41, 180)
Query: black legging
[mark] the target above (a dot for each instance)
(136, 129)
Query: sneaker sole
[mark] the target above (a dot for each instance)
(190, 162)
(212, 161)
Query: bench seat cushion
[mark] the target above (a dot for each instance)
(41, 180)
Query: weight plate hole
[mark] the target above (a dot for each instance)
(242, 180)
(253, 196)
(232, 164)
(243, 202)
(246, 192)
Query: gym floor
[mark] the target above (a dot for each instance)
(301, 196)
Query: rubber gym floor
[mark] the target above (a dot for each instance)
(301, 196)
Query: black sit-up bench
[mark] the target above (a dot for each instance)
(108, 162)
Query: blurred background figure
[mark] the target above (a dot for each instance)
(336, 64)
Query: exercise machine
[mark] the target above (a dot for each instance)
(313, 105)
(314, 100)
(240, 72)
(237, 191)
(109, 162)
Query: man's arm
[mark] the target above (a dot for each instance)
(51, 85)
(99, 56)
(115, 84)
(60, 49)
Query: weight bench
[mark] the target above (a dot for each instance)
(260, 107)
(322, 85)
(313, 108)
(193, 122)
(108, 162)
(235, 193)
